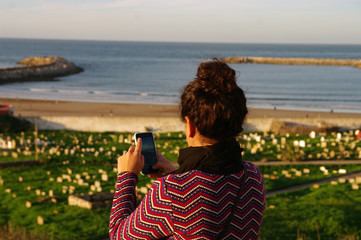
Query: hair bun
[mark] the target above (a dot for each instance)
(216, 77)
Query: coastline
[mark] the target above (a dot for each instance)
(129, 117)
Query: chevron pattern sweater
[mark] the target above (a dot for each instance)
(191, 205)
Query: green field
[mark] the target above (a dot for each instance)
(329, 212)
(75, 162)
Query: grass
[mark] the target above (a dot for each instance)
(330, 212)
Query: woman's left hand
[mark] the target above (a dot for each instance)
(133, 160)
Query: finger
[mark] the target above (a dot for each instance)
(131, 149)
(157, 165)
(138, 148)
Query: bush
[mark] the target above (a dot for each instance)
(10, 124)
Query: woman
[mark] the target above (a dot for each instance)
(213, 194)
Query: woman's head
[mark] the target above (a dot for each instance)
(213, 102)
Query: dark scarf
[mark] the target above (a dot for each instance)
(222, 158)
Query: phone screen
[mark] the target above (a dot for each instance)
(148, 151)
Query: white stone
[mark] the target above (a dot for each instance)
(334, 182)
(80, 182)
(306, 170)
(312, 134)
(339, 136)
(143, 190)
(342, 171)
(341, 180)
(40, 220)
(316, 186)
(104, 177)
(97, 184)
(358, 179)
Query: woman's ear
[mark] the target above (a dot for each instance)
(190, 129)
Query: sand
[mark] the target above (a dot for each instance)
(95, 116)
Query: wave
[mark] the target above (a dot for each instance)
(40, 90)
(73, 91)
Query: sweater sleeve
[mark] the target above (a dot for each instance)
(152, 219)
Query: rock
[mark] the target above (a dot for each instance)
(39, 69)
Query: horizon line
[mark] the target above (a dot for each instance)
(168, 41)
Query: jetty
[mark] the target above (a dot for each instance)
(38, 69)
(294, 61)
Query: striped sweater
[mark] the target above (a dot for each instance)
(191, 205)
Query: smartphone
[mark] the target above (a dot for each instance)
(148, 151)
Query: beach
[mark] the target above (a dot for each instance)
(126, 117)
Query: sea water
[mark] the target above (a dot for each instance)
(156, 72)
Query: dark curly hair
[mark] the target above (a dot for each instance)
(214, 102)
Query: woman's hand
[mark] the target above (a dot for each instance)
(164, 166)
(133, 160)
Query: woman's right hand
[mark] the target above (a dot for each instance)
(164, 165)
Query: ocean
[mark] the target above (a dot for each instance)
(156, 72)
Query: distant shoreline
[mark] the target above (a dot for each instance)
(295, 61)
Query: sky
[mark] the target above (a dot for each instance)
(235, 21)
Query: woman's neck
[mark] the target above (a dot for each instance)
(200, 141)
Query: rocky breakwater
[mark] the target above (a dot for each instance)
(38, 69)
(295, 61)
